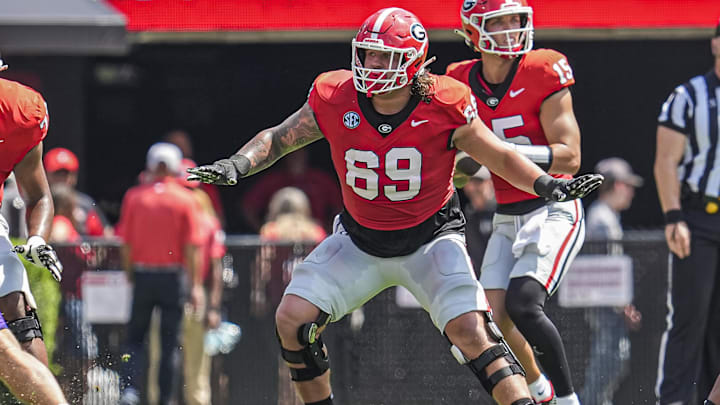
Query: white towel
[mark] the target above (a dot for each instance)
(530, 232)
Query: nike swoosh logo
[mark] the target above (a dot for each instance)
(414, 123)
(514, 93)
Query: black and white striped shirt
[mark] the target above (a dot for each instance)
(692, 109)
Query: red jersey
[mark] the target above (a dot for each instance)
(158, 220)
(213, 242)
(512, 111)
(395, 171)
(23, 124)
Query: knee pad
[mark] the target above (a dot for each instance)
(500, 350)
(525, 300)
(312, 355)
(26, 328)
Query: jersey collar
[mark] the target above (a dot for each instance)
(385, 124)
(490, 98)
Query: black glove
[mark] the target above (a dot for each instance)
(38, 252)
(565, 190)
(223, 172)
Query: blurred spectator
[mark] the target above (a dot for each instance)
(63, 227)
(320, 187)
(609, 345)
(478, 211)
(62, 167)
(158, 224)
(182, 140)
(206, 315)
(288, 220)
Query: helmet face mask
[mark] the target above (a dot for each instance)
(381, 80)
(508, 42)
(401, 39)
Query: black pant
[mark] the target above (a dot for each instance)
(167, 291)
(692, 350)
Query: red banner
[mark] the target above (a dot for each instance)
(289, 15)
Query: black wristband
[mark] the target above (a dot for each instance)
(241, 163)
(708, 402)
(468, 166)
(544, 186)
(673, 217)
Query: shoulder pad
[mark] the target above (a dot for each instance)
(329, 85)
(449, 90)
(456, 68)
(543, 58)
(28, 102)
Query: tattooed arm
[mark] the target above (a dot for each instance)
(269, 145)
(264, 149)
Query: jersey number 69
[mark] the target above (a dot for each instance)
(410, 173)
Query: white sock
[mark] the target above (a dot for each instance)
(571, 399)
(540, 389)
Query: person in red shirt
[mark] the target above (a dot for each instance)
(393, 131)
(159, 228)
(207, 315)
(24, 124)
(524, 97)
(62, 167)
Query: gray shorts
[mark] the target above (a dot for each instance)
(541, 244)
(13, 276)
(338, 277)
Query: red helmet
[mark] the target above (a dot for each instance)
(398, 32)
(475, 14)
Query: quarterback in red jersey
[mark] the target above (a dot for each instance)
(524, 97)
(23, 126)
(393, 131)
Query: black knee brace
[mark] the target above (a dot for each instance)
(26, 328)
(312, 355)
(524, 401)
(500, 350)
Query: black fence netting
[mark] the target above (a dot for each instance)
(383, 354)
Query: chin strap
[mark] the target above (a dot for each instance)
(424, 65)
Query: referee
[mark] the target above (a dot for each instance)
(687, 173)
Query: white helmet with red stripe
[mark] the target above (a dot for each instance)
(514, 41)
(397, 32)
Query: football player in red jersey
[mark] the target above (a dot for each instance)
(23, 126)
(393, 131)
(525, 99)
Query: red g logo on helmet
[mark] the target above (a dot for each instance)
(509, 42)
(401, 38)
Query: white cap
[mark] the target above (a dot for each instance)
(167, 153)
